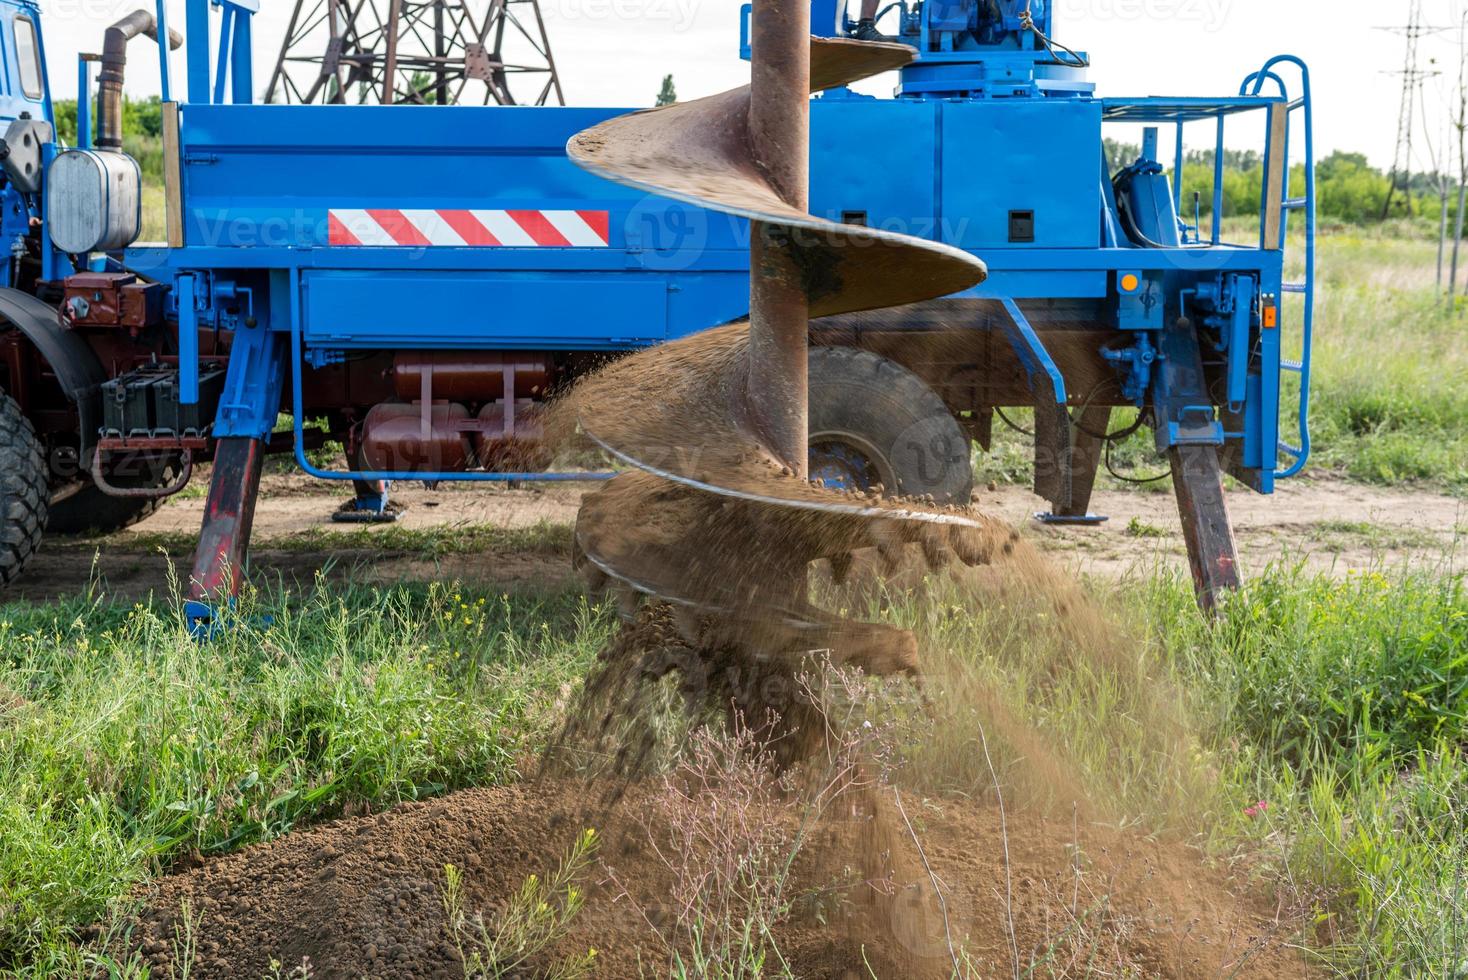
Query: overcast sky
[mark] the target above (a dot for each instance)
(615, 52)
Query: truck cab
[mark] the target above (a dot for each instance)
(25, 90)
(27, 125)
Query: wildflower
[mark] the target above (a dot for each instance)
(1257, 809)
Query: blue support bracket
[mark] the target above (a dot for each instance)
(1033, 356)
(1052, 414)
(230, 59)
(188, 339)
(1241, 323)
(1180, 400)
(241, 77)
(165, 80)
(253, 384)
(221, 68)
(196, 20)
(84, 100)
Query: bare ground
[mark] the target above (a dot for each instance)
(1330, 525)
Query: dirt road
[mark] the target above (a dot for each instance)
(1331, 525)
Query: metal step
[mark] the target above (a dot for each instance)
(1295, 366)
(1293, 287)
(1295, 203)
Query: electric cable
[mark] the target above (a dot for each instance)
(1027, 23)
(1119, 185)
(1108, 439)
(1137, 481)
(1013, 425)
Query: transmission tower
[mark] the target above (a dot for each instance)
(1412, 78)
(442, 52)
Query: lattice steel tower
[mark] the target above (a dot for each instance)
(1412, 79)
(416, 51)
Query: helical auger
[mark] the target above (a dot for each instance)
(715, 515)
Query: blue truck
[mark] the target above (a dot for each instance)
(422, 279)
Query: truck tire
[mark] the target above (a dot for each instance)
(23, 491)
(91, 510)
(872, 422)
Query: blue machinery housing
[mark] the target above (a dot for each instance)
(257, 181)
(1101, 275)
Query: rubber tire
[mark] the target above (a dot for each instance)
(900, 419)
(23, 491)
(91, 510)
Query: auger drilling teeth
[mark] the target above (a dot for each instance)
(722, 520)
(934, 543)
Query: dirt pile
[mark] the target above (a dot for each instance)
(362, 897)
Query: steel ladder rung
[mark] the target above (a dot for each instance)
(1295, 366)
(1295, 203)
(1286, 447)
(1293, 287)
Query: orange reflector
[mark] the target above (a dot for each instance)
(1129, 283)
(1271, 317)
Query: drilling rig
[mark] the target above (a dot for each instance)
(957, 249)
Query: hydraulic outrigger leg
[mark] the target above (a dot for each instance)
(229, 513)
(1212, 554)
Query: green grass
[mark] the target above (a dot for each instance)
(127, 745)
(1390, 404)
(1342, 703)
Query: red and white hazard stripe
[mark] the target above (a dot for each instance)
(472, 228)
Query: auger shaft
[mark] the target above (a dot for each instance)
(776, 397)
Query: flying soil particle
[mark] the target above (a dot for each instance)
(718, 625)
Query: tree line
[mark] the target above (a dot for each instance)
(1348, 189)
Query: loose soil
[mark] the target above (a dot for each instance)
(712, 582)
(363, 897)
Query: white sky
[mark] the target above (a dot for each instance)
(615, 52)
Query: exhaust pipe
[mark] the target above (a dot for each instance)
(114, 67)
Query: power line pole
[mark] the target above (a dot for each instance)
(1412, 78)
(416, 51)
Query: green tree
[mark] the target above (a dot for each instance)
(140, 117)
(668, 94)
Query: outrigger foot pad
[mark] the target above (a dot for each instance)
(1072, 520)
(367, 511)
